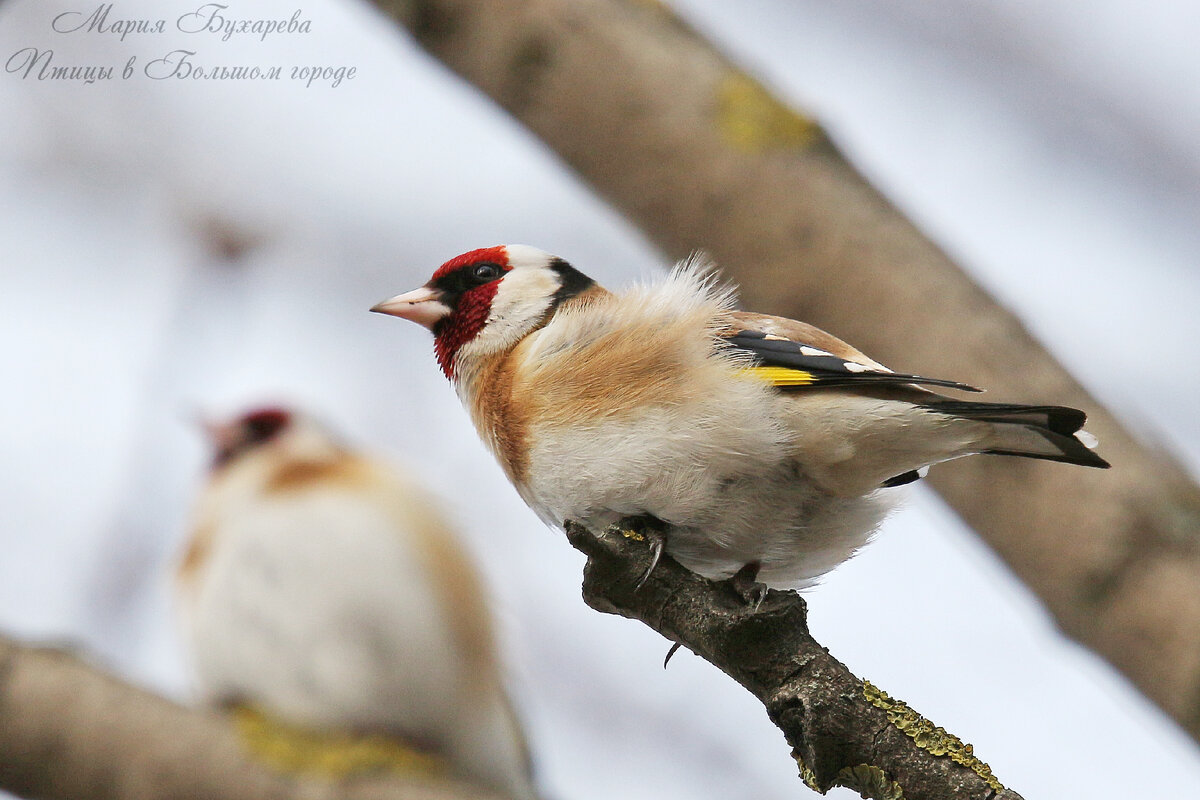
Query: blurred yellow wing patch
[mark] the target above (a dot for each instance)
(782, 376)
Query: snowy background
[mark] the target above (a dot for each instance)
(1050, 147)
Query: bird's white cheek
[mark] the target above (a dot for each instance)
(520, 304)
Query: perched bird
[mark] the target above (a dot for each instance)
(323, 588)
(756, 440)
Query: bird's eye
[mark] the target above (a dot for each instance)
(486, 272)
(262, 426)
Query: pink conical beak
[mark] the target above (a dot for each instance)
(217, 433)
(423, 306)
(222, 436)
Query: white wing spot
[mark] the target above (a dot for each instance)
(812, 351)
(1087, 440)
(854, 366)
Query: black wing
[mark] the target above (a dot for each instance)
(789, 364)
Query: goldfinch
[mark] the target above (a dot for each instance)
(756, 440)
(324, 589)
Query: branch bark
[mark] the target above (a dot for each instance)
(69, 732)
(700, 155)
(843, 731)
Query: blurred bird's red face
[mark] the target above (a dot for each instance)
(247, 432)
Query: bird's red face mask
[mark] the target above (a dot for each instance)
(456, 301)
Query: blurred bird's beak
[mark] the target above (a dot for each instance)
(423, 306)
(220, 435)
(223, 437)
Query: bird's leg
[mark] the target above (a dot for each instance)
(745, 583)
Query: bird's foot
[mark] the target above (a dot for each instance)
(745, 583)
(644, 528)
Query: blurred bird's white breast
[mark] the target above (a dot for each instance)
(316, 604)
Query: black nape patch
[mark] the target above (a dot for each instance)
(573, 281)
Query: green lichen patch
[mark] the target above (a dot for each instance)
(927, 736)
(753, 121)
(807, 775)
(870, 781)
(333, 754)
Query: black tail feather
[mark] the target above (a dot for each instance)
(1055, 424)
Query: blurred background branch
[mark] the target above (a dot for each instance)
(70, 732)
(700, 155)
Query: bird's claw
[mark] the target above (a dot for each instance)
(644, 529)
(657, 544)
(674, 649)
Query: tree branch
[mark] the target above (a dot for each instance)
(843, 731)
(69, 732)
(700, 155)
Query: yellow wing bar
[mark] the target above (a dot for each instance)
(782, 376)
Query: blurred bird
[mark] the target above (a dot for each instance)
(757, 440)
(324, 589)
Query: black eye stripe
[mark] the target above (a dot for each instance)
(468, 277)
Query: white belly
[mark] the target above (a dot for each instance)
(727, 481)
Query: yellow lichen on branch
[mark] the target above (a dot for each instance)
(929, 737)
(292, 750)
(806, 774)
(870, 781)
(753, 121)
